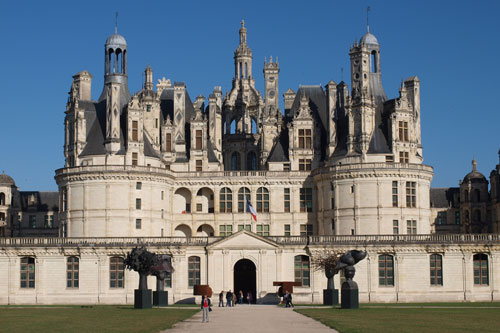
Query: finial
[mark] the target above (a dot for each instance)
(367, 19)
(474, 164)
(242, 23)
(276, 60)
(265, 60)
(116, 22)
(271, 61)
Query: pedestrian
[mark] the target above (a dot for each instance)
(233, 302)
(205, 306)
(286, 299)
(290, 304)
(240, 297)
(229, 297)
(221, 298)
(249, 297)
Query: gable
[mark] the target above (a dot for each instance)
(243, 240)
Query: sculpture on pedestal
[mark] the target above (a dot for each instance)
(350, 292)
(160, 270)
(141, 261)
(328, 263)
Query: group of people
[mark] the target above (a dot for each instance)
(288, 299)
(234, 298)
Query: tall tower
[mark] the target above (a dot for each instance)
(271, 75)
(243, 57)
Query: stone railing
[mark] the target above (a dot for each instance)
(282, 240)
(371, 166)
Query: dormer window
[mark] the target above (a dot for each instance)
(305, 139)
(148, 107)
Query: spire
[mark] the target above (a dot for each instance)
(474, 164)
(116, 22)
(367, 19)
(243, 33)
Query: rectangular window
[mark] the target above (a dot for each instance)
(481, 273)
(138, 203)
(45, 222)
(134, 158)
(199, 165)
(286, 200)
(225, 230)
(436, 270)
(138, 223)
(135, 130)
(246, 227)
(162, 195)
(168, 143)
(411, 227)
(51, 221)
(148, 108)
(394, 193)
(199, 207)
(403, 131)
(305, 139)
(287, 230)
(27, 272)
(116, 272)
(306, 229)
(193, 271)
(138, 185)
(457, 217)
(304, 164)
(441, 218)
(306, 200)
(286, 166)
(72, 272)
(386, 270)
(198, 139)
(263, 229)
(302, 270)
(395, 227)
(404, 157)
(389, 159)
(168, 280)
(411, 194)
(32, 221)
(156, 122)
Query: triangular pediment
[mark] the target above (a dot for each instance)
(243, 240)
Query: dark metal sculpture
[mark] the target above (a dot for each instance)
(160, 270)
(350, 292)
(141, 261)
(327, 263)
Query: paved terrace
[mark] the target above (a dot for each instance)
(252, 319)
(357, 240)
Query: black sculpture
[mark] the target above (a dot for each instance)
(160, 270)
(350, 292)
(141, 261)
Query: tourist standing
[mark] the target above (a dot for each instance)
(287, 300)
(205, 307)
(229, 297)
(249, 297)
(233, 303)
(240, 297)
(221, 299)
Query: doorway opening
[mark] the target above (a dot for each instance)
(245, 279)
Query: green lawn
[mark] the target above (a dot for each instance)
(420, 319)
(89, 319)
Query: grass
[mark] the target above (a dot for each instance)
(383, 318)
(89, 319)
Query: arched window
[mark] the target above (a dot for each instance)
(226, 200)
(386, 270)
(481, 269)
(436, 267)
(72, 272)
(254, 126)
(251, 161)
(235, 161)
(373, 62)
(2, 199)
(28, 272)
(116, 272)
(477, 195)
(262, 200)
(193, 271)
(243, 196)
(302, 270)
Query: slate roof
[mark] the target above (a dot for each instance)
(210, 153)
(44, 201)
(277, 154)
(443, 197)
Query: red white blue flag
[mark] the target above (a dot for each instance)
(251, 210)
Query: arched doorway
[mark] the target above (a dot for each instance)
(245, 279)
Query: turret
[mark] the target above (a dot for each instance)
(271, 76)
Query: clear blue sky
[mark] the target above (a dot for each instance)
(452, 46)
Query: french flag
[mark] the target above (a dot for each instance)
(251, 210)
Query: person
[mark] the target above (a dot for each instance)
(290, 304)
(205, 307)
(229, 297)
(249, 297)
(286, 297)
(240, 297)
(233, 302)
(221, 298)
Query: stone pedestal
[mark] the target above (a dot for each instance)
(142, 299)
(330, 296)
(160, 298)
(350, 295)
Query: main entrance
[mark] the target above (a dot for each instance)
(245, 279)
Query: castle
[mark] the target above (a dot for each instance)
(337, 169)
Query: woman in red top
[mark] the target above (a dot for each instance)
(205, 307)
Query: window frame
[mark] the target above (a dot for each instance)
(481, 270)
(386, 270)
(263, 202)
(72, 272)
(226, 200)
(116, 266)
(302, 270)
(194, 267)
(306, 200)
(28, 267)
(243, 194)
(436, 269)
